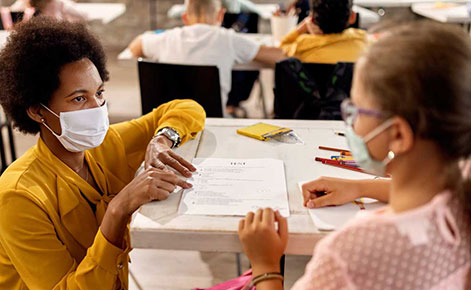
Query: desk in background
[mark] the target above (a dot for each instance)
(105, 12)
(367, 17)
(397, 3)
(451, 13)
(157, 225)
(265, 11)
(3, 38)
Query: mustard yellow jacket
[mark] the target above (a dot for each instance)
(329, 48)
(49, 234)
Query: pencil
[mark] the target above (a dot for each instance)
(340, 134)
(334, 149)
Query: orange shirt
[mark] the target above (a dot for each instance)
(329, 48)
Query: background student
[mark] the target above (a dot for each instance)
(202, 41)
(324, 36)
(58, 9)
(413, 89)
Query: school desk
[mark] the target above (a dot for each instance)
(157, 225)
(451, 13)
(105, 12)
(3, 38)
(367, 17)
(396, 3)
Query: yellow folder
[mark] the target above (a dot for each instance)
(262, 131)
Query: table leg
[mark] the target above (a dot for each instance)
(153, 14)
(239, 266)
(262, 97)
(282, 265)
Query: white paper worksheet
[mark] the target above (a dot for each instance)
(233, 187)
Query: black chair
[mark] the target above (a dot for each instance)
(241, 22)
(311, 91)
(161, 83)
(4, 162)
(16, 17)
(242, 81)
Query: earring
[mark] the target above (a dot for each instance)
(389, 157)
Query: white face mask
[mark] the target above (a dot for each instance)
(82, 129)
(360, 151)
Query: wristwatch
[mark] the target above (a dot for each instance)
(171, 134)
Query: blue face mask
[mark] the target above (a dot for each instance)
(360, 151)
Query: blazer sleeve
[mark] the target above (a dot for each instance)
(42, 260)
(187, 117)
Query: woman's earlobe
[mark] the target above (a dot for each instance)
(35, 114)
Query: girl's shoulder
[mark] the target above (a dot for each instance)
(430, 243)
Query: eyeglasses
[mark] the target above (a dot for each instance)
(350, 112)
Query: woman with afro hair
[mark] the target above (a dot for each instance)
(66, 203)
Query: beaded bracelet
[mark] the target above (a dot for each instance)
(267, 276)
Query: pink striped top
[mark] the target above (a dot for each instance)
(425, 248)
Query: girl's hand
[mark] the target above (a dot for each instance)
(262, 242)
(327, 191)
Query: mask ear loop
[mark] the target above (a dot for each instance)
(43, 121)
(391, 155)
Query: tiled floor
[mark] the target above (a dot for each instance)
(173, 270)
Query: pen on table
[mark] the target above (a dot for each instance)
(320, 159)
(338, 164)
(340, 134)
(334, 149)
(341, 157)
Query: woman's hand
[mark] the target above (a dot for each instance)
(159, 155)
(152, 184)
(326, 191)
(262, 242)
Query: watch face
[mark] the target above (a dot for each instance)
(172, 135)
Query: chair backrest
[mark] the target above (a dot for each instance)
(162, 82)
(311, 91)
(241, 22)
(11, 18)
(4, 160)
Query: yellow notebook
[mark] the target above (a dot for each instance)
(262, 131)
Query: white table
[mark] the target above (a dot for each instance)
(263, 10)
(105, 12)
(367, 17)
(3, 38)
(396, 3)
(452, 13)
(158, 226)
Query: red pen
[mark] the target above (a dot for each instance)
(338, 164)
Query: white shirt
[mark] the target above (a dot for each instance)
(202, 44)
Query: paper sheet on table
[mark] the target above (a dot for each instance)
(334, 217)
(233, 187)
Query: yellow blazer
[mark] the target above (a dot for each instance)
(329, 48)
(49, 234)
